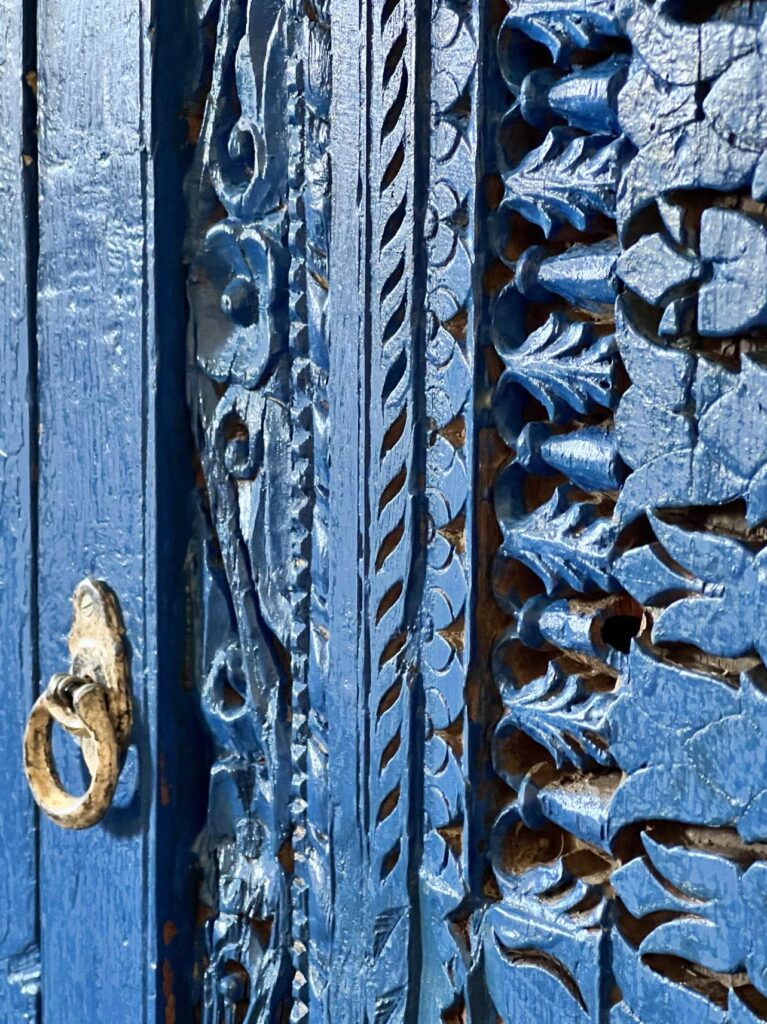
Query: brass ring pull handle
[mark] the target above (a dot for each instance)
(91, 702)
(86, 716)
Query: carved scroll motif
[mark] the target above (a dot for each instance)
(595, 183)
(631, 394)
(251, 371)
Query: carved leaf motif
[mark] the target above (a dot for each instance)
(543, 938)
(564, 364)
(532, 986)
(569, 178)
(735, 298)
(564, 541)
(656, 269)
(726, 617)
(558, 712)
(713, 907)
(695, 740)
(707, 896)
(679, 462)
(672, 1001)
(681, 51)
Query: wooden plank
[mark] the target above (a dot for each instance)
(96, 481)
(345, 697)
(18, 955)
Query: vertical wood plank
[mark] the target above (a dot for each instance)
(18, 957)
(96, 480)
(345, 694)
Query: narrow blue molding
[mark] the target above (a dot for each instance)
(445, 882)
(19, 939)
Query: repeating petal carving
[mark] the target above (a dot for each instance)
(629, 397)
(558, 717)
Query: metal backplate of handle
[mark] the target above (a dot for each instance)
(92, 702)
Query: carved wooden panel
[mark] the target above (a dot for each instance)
(476, 377)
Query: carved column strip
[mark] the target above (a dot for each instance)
(394, 568)
(445, 885)
(310, 238)
(243, 344)
(316, 199)
(346, 698)
(302, 505)
(629, 322)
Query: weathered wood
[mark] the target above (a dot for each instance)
(445, 257)
(95, 889)
(113, 479)
(18, 854)
(631, 672)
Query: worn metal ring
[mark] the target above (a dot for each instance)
(81, 707)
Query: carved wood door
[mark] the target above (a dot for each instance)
(95, 924)
(400, 365)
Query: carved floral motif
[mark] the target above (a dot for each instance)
(610, 220)
(632, 672)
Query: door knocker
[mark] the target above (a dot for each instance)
(92, 702)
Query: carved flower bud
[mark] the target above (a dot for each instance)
(239, 300)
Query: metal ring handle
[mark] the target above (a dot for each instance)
(92, 702)
(89, 721)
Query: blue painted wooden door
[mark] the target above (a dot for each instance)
(95, 925)
(400, 364)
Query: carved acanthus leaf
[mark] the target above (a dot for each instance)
(566, 365)
(559, 712)
(570, 178)
(564, 541)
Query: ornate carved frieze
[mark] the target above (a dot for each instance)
(560, 308)
(245, 350)
(630, 393)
